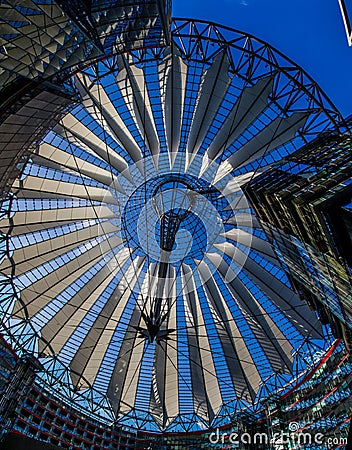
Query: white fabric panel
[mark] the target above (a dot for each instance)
(42, 291)
(132, 84)
(168, 384)
(274, 343)
(234, 185)
(133, 374)
(252, 102)
(34, 187)
(63, 324)
(90, 353)
(106, 114)
(59, 329)
(171, 374)
(211, 383)
(214, 84)
(31, 221)
(71, 128)
(172, 78)
(27, 258)
(257, 318)
(277, 133)
(242, 369)
(244, 219)
(148, 288)
(296, 311)
(49, 154)
(239, 202)
(261, 246)
(117, 385)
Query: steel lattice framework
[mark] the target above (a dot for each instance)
(133, 265)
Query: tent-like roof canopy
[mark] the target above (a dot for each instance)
(134, 255)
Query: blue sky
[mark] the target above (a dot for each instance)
(310, 32)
